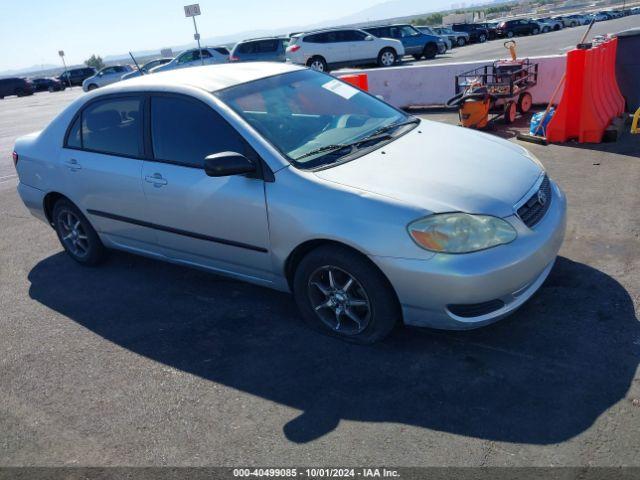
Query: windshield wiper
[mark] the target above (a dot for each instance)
(395, 125)
(342, 146)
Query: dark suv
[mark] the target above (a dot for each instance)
(477, 33)
(15, 86)
(76, 76)
(511, 28)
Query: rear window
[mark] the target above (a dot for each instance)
(222, 50)
(113, 126)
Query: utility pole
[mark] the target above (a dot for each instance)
(193, 11)
(66, 74)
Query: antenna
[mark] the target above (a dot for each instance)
(134, 61)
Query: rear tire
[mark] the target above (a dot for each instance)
(417, 57)
(509, 34)
(318, 64)
(342, 294)
(461, 42)
(482, 38)
(77, 236)
(93, 86)
(430, 51)
(510, 112)
(387, 57)
(19, 92)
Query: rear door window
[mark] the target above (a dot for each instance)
(113, 126)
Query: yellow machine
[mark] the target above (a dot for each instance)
(474, 109)
(634, 124)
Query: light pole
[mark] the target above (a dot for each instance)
(193, 11)
(66, 74)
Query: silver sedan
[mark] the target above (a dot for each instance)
(295, 180)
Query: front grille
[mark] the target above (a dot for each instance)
(476, 309)
(537, 205)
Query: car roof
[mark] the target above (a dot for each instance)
(210, 78)
(337, 29)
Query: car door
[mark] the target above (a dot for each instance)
(219, 223)
(359, 47)
(101, 165)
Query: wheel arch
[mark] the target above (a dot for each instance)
(48, 203)
(300, 251)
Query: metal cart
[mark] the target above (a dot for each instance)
(506, 82)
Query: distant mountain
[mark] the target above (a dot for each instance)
(28, 70)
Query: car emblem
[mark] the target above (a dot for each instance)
(542, 198)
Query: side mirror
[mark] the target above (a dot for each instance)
(369, 38)
(225, 164)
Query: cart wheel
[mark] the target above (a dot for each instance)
(510, 112)
(525, 102)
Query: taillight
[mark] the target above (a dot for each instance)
(293, 48)
(15, 159)
(233, 59)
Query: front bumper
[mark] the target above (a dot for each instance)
(508, 273)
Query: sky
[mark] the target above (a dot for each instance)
(32, 32)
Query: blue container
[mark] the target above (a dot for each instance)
(535, 121)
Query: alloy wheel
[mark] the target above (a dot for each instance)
(73, 234)
(339, 300)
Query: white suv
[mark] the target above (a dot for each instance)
(192, 58)
(325, 49)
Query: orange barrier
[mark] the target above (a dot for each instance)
(360, 80)
(591, 97)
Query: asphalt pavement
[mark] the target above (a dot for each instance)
(138, 362)
(552, 43)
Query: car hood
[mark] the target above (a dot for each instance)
(443, 168)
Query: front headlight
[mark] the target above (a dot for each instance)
(461, 232)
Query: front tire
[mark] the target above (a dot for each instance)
(482, 38)
(510, 112)
(509, 34)
(430, 51)
(342, 294)
(387, 57)
(77, 236)
(461, 42)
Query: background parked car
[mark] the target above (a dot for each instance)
(325, 49)
(76, 76)
(47, 84)
(430, 31)
(598, 17)
(491, 28)
(477, 34)
(147, 67)
(106, 76)
(552, 23)
(267, 49)
(194, 58)
(415, 42)
(568, 21)
(523, 26)
(458, 39)
(15, 86)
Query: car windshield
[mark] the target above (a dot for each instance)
(314, 119)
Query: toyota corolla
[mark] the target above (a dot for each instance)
(294, 180)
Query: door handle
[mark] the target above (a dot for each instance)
(73, 165)
(156, 179)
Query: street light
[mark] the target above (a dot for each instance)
(66, 74)
(193, 11)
